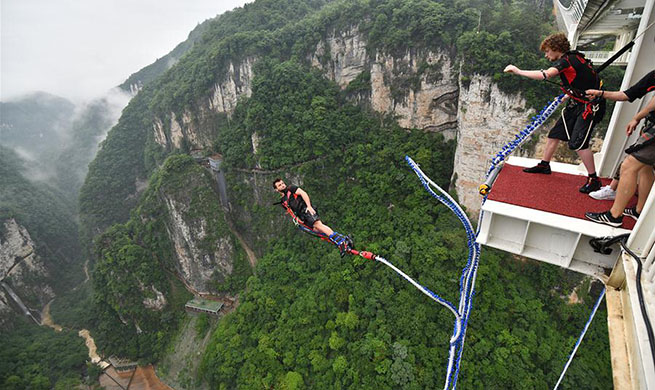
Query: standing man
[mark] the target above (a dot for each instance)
(580, 115)
(637, 168)
(297, 201)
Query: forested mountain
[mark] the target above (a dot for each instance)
(39, 227)
(46, 144)
(329, 95)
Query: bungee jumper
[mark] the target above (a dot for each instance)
(581, 113)
(297, 204)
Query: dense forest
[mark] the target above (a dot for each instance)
(32, 357)
(308, 318)
(38, 358)
(312, 318)
(47, 214)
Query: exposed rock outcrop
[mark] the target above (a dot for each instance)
(199, 261)
(488, 118)
(420, 88)
(236, 82)
(156, 303)
(5, 309)
(177, 129)
(21, 268)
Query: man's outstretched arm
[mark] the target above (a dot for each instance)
(617, 96)
(532, 74)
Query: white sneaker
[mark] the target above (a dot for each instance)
(605, 193)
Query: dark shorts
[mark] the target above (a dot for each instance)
(309, 219)
(576, 128)
(645, 155)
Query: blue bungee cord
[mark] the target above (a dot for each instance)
(469, 272)
(523, 135)
(467, 280)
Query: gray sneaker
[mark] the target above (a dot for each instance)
(605, 193)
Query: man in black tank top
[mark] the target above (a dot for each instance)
(297, 201)
(580, 115)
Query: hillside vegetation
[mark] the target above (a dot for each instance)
(308, 318)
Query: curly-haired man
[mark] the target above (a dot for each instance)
(580, 115)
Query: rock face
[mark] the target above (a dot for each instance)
(197, 263)
(342, 57)
(488, 118)
(156, 303)
(171, 132)
(204, 249)
(21, 268)
(5, 308)
(419, 88)
(237, 82)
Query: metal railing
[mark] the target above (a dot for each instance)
(599, 57)
(572, 11)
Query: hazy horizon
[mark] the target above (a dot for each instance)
(80, 50)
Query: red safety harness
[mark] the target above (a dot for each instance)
(590, 108)
(301, 225)
(299, 222)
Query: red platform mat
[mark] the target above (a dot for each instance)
(555, 193)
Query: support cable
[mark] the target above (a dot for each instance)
(577, 344)
(427, 292)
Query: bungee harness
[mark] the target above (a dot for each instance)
(342, 242)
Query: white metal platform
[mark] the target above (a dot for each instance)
(544, 236)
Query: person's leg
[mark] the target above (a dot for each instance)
(614, 184)
(551, 147)
(587, 158)
(544, 165)
(627, 185)
(645, 181)
(320, 227)
(593, 183)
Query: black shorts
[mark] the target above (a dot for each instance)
(645, 155)
(309, 219)
(576, 127)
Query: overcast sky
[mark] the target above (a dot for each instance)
(79, 49)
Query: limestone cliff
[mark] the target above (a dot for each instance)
(196, 130)
(487, 119)
(21, 269)
(5, 308)
(419, 88)
(200, 259)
